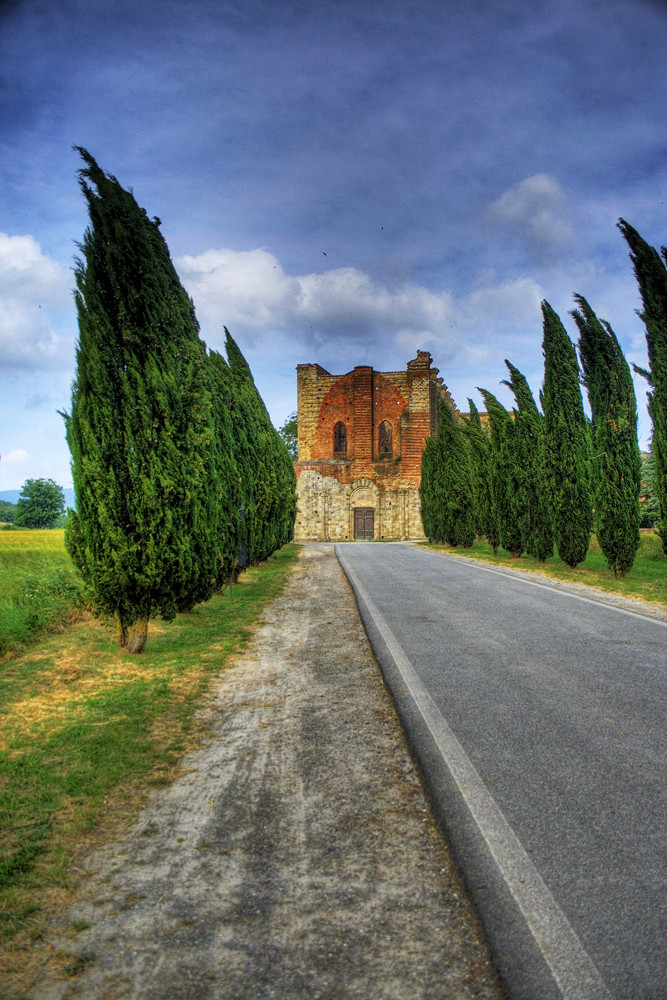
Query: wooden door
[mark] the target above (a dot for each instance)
(364, 524)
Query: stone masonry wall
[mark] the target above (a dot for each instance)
(325, 509)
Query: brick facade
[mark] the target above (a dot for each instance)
(361, 438)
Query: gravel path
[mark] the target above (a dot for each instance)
(296, 858)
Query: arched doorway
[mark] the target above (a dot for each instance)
(363, 507)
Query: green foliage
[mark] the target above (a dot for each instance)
(289, 434)
(651, 277)
(446, 489)
(567, 443)
(481, 462)
(616, 458)
(40, 505)
(227, 525)
(528, 456)
(649, 508)
(430, 488)
(7, 511)
(511, 499)
(140, 429)
(266, 472)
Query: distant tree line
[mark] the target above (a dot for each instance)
(180, 478)
(547, 475)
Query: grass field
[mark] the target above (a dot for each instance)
(39, 586)
(646, 581)
(85, 730)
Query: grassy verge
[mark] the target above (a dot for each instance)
(85, 730)
(646, 581)
(40, 587)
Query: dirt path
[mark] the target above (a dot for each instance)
(296, 858)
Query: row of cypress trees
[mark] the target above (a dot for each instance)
(545, 477)
(180, 478)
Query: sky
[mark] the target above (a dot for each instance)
(339, 182)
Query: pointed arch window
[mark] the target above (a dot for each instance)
(384, 438)
(340, 439)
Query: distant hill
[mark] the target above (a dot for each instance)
(12, 496)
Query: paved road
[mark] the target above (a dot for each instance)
(538, 718)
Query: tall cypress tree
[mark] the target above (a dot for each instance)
(140, 429)
(446, 487)
(567, 443)
(616, 458)
(508, 486)
(651, 277)
(535, 518)
(430, 491)
(264, 464)
(226, 527)
(479, 446)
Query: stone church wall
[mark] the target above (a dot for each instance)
(365, 476)
(325, 509)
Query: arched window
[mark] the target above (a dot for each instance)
(384, 438)
(340, 439)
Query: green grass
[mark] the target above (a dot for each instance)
(39, 586)
(85, 729)
(646, 581)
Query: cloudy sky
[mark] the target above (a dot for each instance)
(339, 181)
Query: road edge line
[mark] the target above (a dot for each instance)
(571, 966)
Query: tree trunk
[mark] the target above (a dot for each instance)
(121, 631)
(137, 634)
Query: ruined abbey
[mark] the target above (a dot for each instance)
(361, 438)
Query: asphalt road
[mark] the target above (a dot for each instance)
(538, 719)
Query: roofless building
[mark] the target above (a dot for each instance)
(361, 438)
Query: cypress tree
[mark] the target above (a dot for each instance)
(446, 487)
(567, 443)
(649, 508)
(430, 491)
(265, 467)
(508, 487)
(226, 527)
(140, 429)
(479, 446)
(616, 458)
(535, 518)
(651, 277)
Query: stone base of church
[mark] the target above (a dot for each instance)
(330, 511)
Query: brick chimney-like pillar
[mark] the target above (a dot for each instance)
(363, 420)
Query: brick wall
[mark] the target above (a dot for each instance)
(330, 486)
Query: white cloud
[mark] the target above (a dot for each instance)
(32, 286)
(506, 302)
(344, 316)
(18, 456)
(536, 211)
(250, 293)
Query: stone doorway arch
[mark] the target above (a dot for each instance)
(364, 497)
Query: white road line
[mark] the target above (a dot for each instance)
(545, 586)
(569, 962)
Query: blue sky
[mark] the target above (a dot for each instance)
(338, 182)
